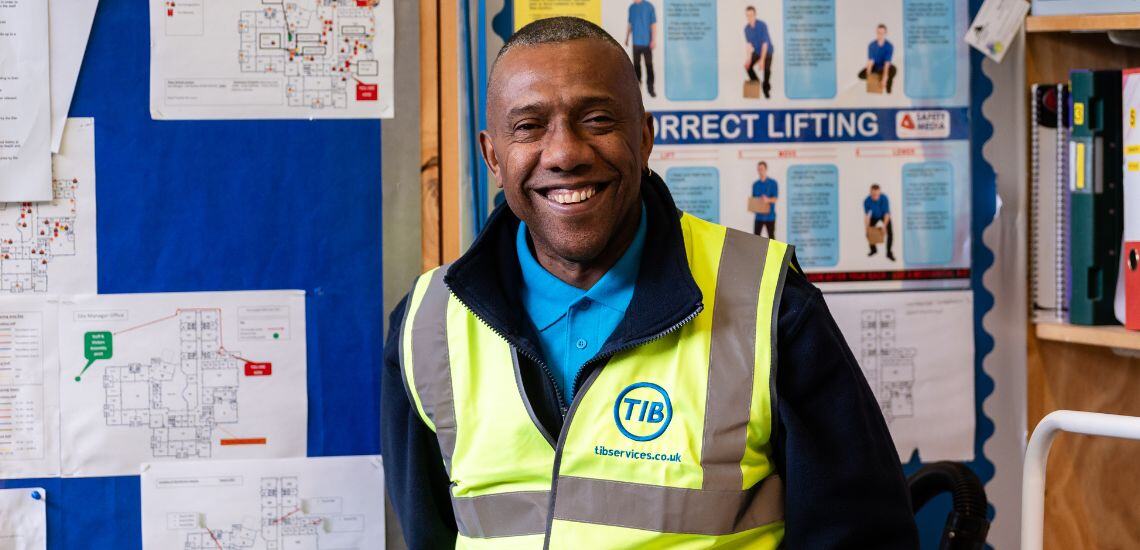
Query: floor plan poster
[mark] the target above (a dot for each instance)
(837, 117)
(49, 247)
(916, 350)
(23, 523)
(181, 376)
(334, 503)
(29, 388)
(271, 59)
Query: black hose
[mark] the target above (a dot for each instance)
(967, 526)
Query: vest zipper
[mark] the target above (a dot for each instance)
(568, 414)
(630, 345)
(578, 397)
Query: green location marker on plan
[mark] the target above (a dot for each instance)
(96, 345)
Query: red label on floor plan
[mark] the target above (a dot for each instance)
(258, 369)
(367, 92)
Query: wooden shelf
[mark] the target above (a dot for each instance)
(1083, 23)
(1105, 336)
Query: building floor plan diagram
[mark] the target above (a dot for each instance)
(182, 376)
(49, 247)
(334, 503)
(271, 59)
(925, 388)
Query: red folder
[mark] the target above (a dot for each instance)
(1132, 285)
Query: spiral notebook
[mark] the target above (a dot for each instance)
(1049, 240)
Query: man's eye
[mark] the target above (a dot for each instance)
(600, 119)
(526, 127)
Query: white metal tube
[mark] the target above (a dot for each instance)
(1037, 456)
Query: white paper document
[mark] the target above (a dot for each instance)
(333, 503)
(23, 519)
(996, 25)
(268, 59)
(70, 26)
(204, 375)
(25, 108)
(29, 388)
(916, 350)
(49, 247)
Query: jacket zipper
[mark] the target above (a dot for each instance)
(528, 355)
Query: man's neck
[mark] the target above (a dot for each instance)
(880, 41)
(583, 275)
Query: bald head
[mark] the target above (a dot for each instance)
(561, 30)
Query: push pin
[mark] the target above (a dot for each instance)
(36, 495)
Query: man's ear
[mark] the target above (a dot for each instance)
(646, 139)
(487, 148)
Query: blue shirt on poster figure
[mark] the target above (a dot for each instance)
(880, 54)
(641, 16)
(766, 188)
(877, 208)
(573, 323)
(757, 35)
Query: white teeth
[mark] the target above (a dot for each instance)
(573, 197)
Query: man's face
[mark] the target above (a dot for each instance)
(880, 34)
(762, 171)
(567, 140)
(875, 194)
(751, 15)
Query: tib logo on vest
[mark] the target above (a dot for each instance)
(643, 411)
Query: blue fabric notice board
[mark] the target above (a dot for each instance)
(228, 205)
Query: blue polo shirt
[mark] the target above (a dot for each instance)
(757, 35)
(641, 16)
(767, 188)
(880, 54)
(877, 208)
(573, 323)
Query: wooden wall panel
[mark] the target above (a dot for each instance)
(430, 205)
(1093, 484)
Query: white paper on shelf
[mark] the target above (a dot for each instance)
(23, 523)
(49, 247)
(916, 350)
(69, 22)
(178, 376)
(331, 502)
(25, 110)
(29, 387)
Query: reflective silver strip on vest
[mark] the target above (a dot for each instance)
(732, 360)
(502, 514)
(431, 365)
(669, 509)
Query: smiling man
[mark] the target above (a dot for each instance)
(601, 370)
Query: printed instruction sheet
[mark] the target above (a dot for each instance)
(25, 110)
(49, 247)
(70, 27)
(29, 388)
(332, 503)
(180, 376)
(916, 350)
(257, 59)
(23, 523)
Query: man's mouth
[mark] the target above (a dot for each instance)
(572, 195)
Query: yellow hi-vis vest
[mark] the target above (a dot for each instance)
(668, 445)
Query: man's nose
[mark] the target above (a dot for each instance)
(566, 150)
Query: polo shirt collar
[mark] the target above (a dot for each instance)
(547, 298)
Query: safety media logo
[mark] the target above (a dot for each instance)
(643, 411)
